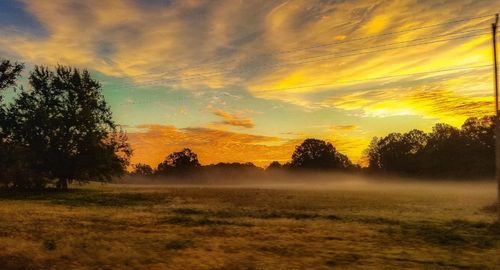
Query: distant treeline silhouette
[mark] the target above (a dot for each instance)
(447, 151)
(311, 155)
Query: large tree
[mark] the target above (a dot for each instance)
(68, 128)
(320, 155)
(179, 162)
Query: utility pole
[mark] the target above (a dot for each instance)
(494, 27)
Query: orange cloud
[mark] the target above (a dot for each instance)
(151, 143)
(344, 128)
(234, 120)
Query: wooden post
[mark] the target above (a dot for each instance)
(497, 131)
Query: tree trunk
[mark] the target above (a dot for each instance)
(62, 184)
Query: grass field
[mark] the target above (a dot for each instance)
(344, 226)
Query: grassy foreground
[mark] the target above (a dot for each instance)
(160, 227)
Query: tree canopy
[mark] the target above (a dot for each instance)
(275, 165)
(179, 162)
(141, 169)
(64, 130)
(320, 155)
(445, 152)
(9, 72)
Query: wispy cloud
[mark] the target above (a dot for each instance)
(251, 44)
(234, 120)
(344, 128)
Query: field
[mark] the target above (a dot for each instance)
(349, 225)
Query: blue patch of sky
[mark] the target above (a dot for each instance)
(153, 4)
(14, 16)
(134, 105)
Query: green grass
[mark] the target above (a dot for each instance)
(87, 197)
(168, 227)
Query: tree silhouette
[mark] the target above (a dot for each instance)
(445, 152)
(10, 157)
(179, 162)
(141, 169)
(397, 152)
(479, 138)
(9, 72)
(68, 128)
(317, 154)
(275, 165)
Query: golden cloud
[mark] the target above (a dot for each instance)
(251, 44)
(234, 120)
(274, 50)
(432, 102)
(344, 128)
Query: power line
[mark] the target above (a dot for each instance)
(386, 34)
(382, 45)
(304, 60)
(332, 44)
(362, 80)
(389, 49)
(198, 76)
(380, 78)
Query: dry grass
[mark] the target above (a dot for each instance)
(160, 227)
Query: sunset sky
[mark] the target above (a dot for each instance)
(241, 81)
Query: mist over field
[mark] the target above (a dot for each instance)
(323, 181)
(309, 222)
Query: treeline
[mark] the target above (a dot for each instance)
(445, 152)
(58, 131)
(311, 155)
(468, 152)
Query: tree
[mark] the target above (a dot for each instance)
(275, 165)
(141, 169)
(397, 152)
(317, 154)
(372, 154)
(68, 128)
(179, 162)
(9, 72)
(445, 152)
(479, 136)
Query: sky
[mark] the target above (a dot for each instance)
(247, 81)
